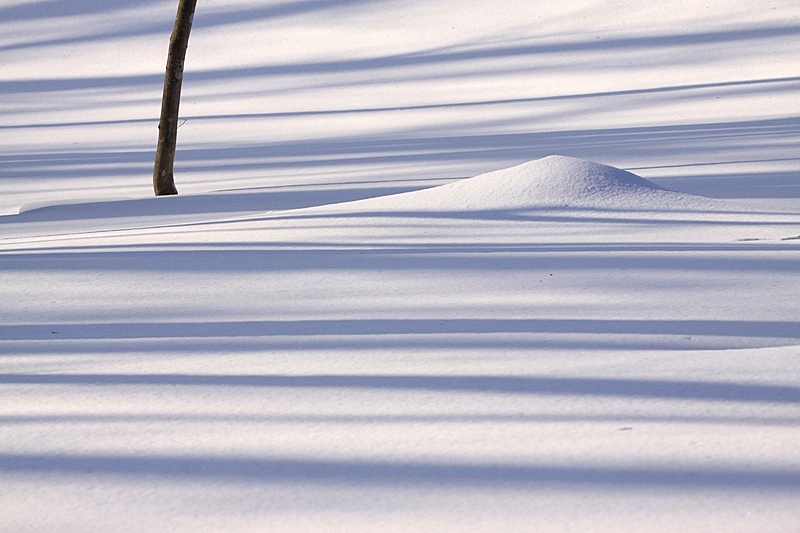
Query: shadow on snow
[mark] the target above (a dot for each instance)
(519, 385)
(277, 470)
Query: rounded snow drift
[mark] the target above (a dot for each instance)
(552, 182)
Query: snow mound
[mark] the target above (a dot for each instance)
(552, 182)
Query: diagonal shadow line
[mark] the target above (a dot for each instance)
(694, 140)
(75, 84)
(419, 107)
(47, 9)
(439, 57)
(279, 470)
(360, 327)
(330, 151)
(536, 99)
(413, 59)
(785, 127)
(360, 260)
(55, 9)
(228, 15)
(533, 344)
(521, 385)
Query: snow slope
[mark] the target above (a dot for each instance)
(458, 365)
(331, 329)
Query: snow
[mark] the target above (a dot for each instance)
(553, 181)
(433, 266)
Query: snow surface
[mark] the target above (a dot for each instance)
(331, 328)
(554, 181)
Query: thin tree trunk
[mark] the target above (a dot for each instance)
(163, 180)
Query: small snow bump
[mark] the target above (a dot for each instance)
(551, 182)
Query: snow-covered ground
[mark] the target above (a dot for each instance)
(336, 327)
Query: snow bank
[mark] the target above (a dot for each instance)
(551, 182)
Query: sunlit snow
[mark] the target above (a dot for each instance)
(434, 266)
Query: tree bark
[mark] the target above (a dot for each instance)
(163, 179)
